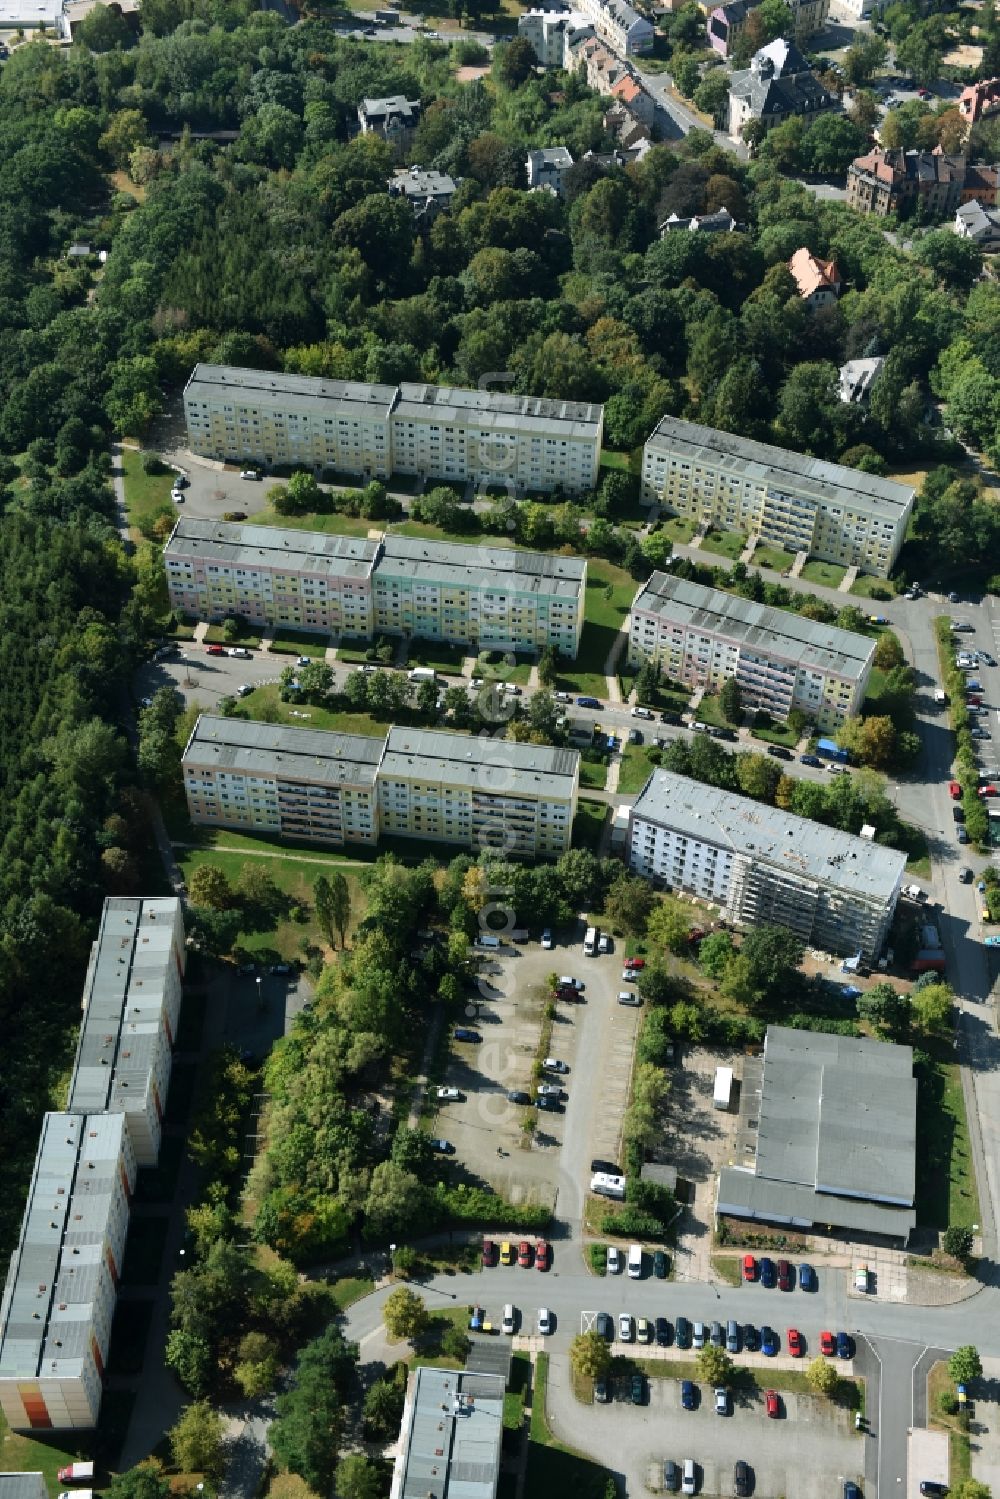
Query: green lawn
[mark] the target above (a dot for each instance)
(725, 543)
(826, 573)
(680, 528)
(245, 634)
(300, 643)
(775, 558)
(588, 824)
(464, 538)
(635, 769)
(348, 1289)
(630, 462)
(946, 1181)
(709, 711)
(26, 1454)
(593, 775)
(777, 733)
(443, 658)
(554, 1470)
(265, 702)
(867, 587)
(146, 495)
(610, 591)
(518, 671)
(333, 525)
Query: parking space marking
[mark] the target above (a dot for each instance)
(588, 1321)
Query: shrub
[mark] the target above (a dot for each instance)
(598, 1256)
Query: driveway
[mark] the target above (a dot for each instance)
(808, 1453)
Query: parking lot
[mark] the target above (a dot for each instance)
(595, 1038)
(807, 1452)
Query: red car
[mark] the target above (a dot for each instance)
(524, 1255)
(215, 650)
(795, 1345)
(954, 790)
(772, 1403)
(635, 963)
(749, 1267)
(786, 1276)
(827, 1344)
(543, 1255)
(489, 1253)
(988, 791)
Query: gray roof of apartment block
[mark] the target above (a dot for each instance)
(499, 411)
(272, 547)
(452, 1433)
(130, 966)
(496, 766)
(481, 566)
(320, 756)
(267, 388)
(796, 845)
(756, 627)
(760, 460)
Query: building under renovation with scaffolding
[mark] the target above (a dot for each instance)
(758, 864)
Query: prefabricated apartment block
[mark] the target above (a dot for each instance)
(131, 1004)
(59, 1299)
(836, 514)
(760, 864)
(439, 432)
(476, 595)
(703, 636)
(332, 788)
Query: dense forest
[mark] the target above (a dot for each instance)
(279, 246)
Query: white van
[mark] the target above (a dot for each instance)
(635, 1261)
(590, 942)
(689, 1480)
(485, 940)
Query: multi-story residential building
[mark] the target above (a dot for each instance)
(808, 16)
(703, 636)
(837, 514)
(979, 100)
(487, 436)
(547, 167)
(894, 181)
(626, 32)
(603, 69)
(726, 24)
(256, 416)
(428, 193)
(131, 1003)
(549, 32)
(981, 225)
(293, 783)
(778, 84)
(59, 1299)
(496, 598)
(479, 793)
(762, 865)
(817, 281)
(394, 118)
(303, 579)
(980, 185)
(450, 1438)
(335, 788)
(630, 92)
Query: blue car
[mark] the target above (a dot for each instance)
(810, 760)
(768, 1274)
(845, 1345)
(462, 1033)
(587, 702)
(807, 1275)
(768, 1341)
(689, 1396)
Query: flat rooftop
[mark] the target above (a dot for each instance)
(499, 411)
(23, 1486)
(272, 548)
(839, 1114)
(795, 845)
(756, 627)
(271, 391)
(745, 1195)
(59, 1260)
(451, 1436)
(478, 566)
(825, 482)
(496, 766)
(322, 756)
(132, 965)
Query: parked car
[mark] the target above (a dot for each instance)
(772, 1403)
(449, 1095)
(721, 1401)
(807, 1278)
(716, 1336)
(637, 1388)
(543, 1255)
(961, 834)
(659, 1264)
(489, 1253)
(669, 716)
(517, 1095)
(563, 697)
(443, 1147)
(778, 752)
(544, 1321)
(741, 1479)
(732, 1337)
(698, 1335)
(249, 473)
(605, 1326)
(463, 1033)
(933, 1490)
(689, 1482)
(629, 997)
(603, 944)
(689, 1398)
(662, 1332)
(588, 702)
(509, 1322)
(769, 1343)
(525, 1254)
(548, 1104)
(547, 939)
(768, 1279)
(796, 1347)
(643, 1330)
(626, 1328)
(215, 650)
(813, 760)
(553, 1064)
(682, 1332)
(751, 1341)
(827, 1344)
(749, 1267)
(642, 713)
(786, 1276)
(548, 1090)
(671, 1476)
(845, 1345)
(602, 1390)
(506, 1252)
(614, 1260)
(861, 1278)
(636, 963)
(566, 982)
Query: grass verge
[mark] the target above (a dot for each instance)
(635, 768)
(724, 543)
(146, 495)
(348, 1289)
(939, 1382)
(728, 1267)
(827, 574)
(946, 1183)
(588, 824)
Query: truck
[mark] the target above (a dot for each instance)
(928, 960)
(940, 697)
(606, 1185)
(76, 1472)
(423, 674)
(590, 942)
(831, 750)
(723, 1094)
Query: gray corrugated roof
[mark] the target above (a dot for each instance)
(803, 641)
(794, 844)
(321, 755)
(267, 388)
(23, 1486)
(476, 566)
(497, 410)
(741, 455)
(494, 765)
(748, 1196)
(272, 547)
(453, 1427)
